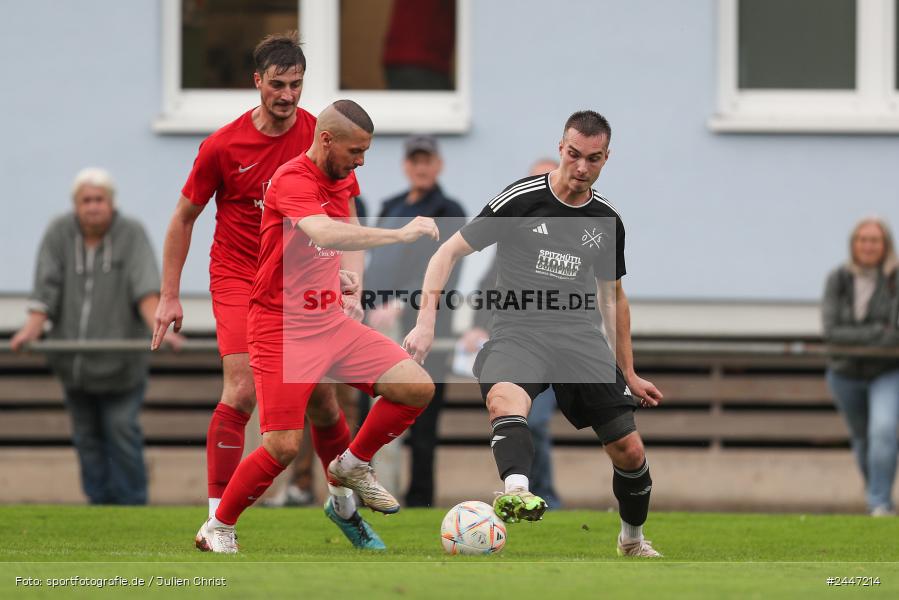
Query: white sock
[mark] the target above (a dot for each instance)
(216, 523)
(631, 532)
(213, 505)
(342, 500)
(350, 460)
(516, 481)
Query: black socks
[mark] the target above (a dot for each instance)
(513, 448)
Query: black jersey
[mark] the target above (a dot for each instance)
(549, 254)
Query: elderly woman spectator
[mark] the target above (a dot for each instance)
(861, 309)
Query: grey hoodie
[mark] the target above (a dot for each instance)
(95, 299)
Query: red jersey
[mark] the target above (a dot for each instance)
(234, 163)
(297, 286)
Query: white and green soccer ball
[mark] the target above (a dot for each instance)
(471, 527)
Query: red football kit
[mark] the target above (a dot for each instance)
(234, 164)
(297, 330)
(298, 334)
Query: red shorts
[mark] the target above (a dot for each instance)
(230, 305)
(348, 352)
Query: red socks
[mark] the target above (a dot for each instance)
(330, 442)
(224, 446)
(385, 421)
(254, 475)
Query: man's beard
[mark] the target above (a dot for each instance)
(331, 169)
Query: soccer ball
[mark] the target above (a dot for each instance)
(471, 527)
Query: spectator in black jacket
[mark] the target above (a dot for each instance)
(402, 269)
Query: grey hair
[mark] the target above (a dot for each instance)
(890, 261)
(96, 177)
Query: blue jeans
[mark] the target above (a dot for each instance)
(871, 409)
(107, 435)
(541, 480)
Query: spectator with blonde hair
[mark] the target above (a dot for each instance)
(96, 278)
(861, 308)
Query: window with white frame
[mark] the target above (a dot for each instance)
(404, 61)
(808, 66)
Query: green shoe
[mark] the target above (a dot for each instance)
(519, 504)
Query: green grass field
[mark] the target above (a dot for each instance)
(298, 553)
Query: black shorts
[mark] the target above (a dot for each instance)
(585, 393)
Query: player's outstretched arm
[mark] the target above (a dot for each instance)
(336, 235)
(418, 342)
(174, 253)
(618, 313)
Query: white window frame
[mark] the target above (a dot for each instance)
(873, 107)
(396, 112)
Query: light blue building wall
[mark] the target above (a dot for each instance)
(708, 215)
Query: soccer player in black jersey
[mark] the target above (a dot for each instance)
(558, 243)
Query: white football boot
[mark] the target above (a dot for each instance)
(639, 548)
(361, 479)
(216, 539)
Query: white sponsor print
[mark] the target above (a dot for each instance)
(541, 229)
(324, 252)
(241, 169)
(559, 265)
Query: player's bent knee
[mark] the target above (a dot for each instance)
(425, 393)
(323, 411)
(505, 399)
(242, 398)
(239, 391)
(628, 452)
(283, 445)
(418, 395)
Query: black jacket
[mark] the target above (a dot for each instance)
(402, 266)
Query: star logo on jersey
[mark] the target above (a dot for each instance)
(242, 169)
(592, 239)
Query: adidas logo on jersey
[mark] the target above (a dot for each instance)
(541, 229)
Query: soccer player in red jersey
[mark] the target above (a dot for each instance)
(235, 164)
(298, 332)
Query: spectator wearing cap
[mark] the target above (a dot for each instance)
(97, 278)
(401, 267)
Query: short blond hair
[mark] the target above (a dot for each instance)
(94, 176)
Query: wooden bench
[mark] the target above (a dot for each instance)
(732, 430)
